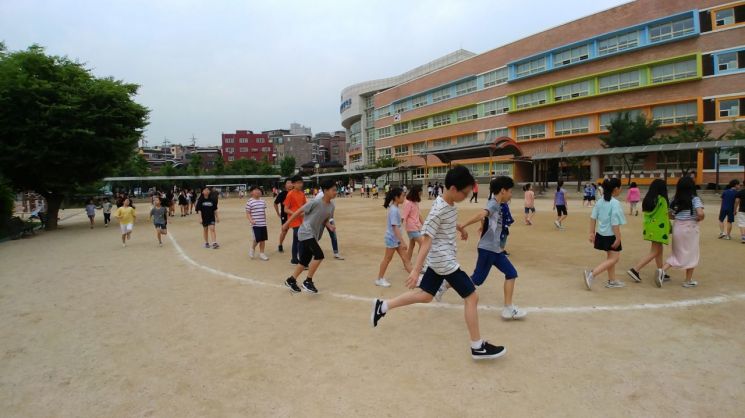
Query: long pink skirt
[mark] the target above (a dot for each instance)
(686, 249)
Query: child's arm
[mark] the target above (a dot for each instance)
(617, 233)
(699, 214)
(250, 219)
(397, 234)
(294, 215)
(423, 251)
(592, 230)
(330, 225)
(217, 216)
(478, 217)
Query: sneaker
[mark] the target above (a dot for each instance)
(206, 245)
(215, 245)
(727, 237)
(588, 279)
(292, 284)
(660, 277)
(513, 313)
(690, 284)
(308, 286)
(614, 284)
(634, 275)
(441, 291)
(722, 235)
(124, 245)
(160, 244)
(280, 249)
(338, 256)
(488, 352)
(666, 278)
(376, 312)
(558, 225)
(251, 253)
(263, 257)
(382, 282)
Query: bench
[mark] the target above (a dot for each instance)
(17, 228)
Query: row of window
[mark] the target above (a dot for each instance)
(231, 150)
(477, 169)
(244, 140)
(419, 147)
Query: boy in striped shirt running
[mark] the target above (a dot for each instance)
(256, 214)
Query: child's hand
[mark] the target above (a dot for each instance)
(412, 279)
(591, 238)
(463, 234)
(253, 222)
(331, 227)
(616, 243)
(403, 247)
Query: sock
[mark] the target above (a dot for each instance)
(508, 306)
(477, 344)
(384, 307)
(308, 279)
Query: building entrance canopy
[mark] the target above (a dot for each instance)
(485, 148)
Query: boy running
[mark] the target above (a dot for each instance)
(158, 216)
(438, 248)
(256, 214)
(316, 214)
(279, 207)
(207, 207)
(106, 212)
(293, 202)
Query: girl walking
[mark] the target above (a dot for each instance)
(633, 196)
(529, 204)
(656, 226)
(393, 240)
(560, 205)
(605, 233)
(687, 210)
(413, 218)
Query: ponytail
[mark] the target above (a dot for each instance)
(608, 186)
(392, 194)
(559, 184)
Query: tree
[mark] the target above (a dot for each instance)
(168, 170)
(623, 131)
(687, 132)
(287, 166)
(386, 162)
(576, 164)
(136, 166)
(195, 164)
(242, 166)
(265, 168)
(62, 127)
(219, 165)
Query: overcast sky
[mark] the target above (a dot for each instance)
(207, 67)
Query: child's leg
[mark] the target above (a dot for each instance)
(410, 250)
(405, 258)
(504, 265)
(655, 253)
(313, 267)
(204, 233)
(470, 310)
(298, 271)
(262, 245)
(387, 257)
(213, 233)
(610, 261)
(253, 244)
(689, 274)
(613, 256)
(124, 238)
(483, 266)
(409, 298)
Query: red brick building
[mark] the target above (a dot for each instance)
(248, 145)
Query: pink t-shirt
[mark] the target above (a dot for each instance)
(410, 214)
(633, 195)
(529, 199)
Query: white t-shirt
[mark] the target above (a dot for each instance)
(441, 226)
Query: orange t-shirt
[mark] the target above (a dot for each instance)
(295, 200)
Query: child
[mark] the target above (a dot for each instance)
(688, 210)
(207, 207)
(607, 216)
(158, 216)
(529, 204)
(279, 208)
(413, 218)
(589, 193)
(506, 222)
(490, 248)
(106, 212)
(475, 195)
(316, 214)
(90, 210)
(560, 205)
(727, 211)
(740, 217)
(183, 203)
(127, 216)
(293, 202)
(656, 226)
(633, 196)
(393, 239)
(375, 192)
(438, 248)
(256, 214)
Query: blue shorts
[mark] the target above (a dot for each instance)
(414, 234)
(159, 226)
(391, 242)
(726, 213)
(486, 260)
(458, 280)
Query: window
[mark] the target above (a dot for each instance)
(384, 132)
(674, 71)
(400, 150)
(229, 140)
(496, 133)
(465, 87)
(384, 111)
(254, 150)
(729, 157)
(441, 143)
(418, 101)
(571, 91)
(671, 30)
(467, 114)
(495, 77)
(230, 150)
(726, 62)
(530, 67)
(466, 139)
(243, 140)
(400, 128)
(531, 99)
(619, 81)
(231, 158)
(419, 124)
(606, 118)
(531, 131)
(369, 102)
(260, 140)
(618, 43)
(266, 149)
(419, 147)
(243, 149)
(729, 108)
(399, 108)
(572, 126)
(676, 113)
(495, 107)
(572, 55)
(441, 94)
(440, 120)
(724, 17)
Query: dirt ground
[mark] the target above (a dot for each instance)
(91, 329)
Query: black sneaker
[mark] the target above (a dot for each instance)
(292, 284)
(280, 249)
(488, 351)
(376, 313)
(308, 286)
(634, 275)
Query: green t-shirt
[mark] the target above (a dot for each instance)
(657, 223)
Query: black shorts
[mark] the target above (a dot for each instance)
(260, 233)
(309, 249)
(727, 213)
(604, 243)
(528, 210)
(160, 226)
(561, 210)
(458, 280)
(207, 223)
(586, 198)
(283, 217)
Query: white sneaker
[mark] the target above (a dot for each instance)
(441, 291)
(660, 277)
(690, 284)
(614, 284)
(263, 257)
(513, 312)
(728, 237)
(251, 254)
(124, 245)
(558, 225)
(588, 279)
(338, 256)
(382, 282)
(722, 235)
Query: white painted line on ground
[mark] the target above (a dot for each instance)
(556, 309)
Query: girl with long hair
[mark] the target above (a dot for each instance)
(656, 226)
(393, 240)
(605, 233)
(413, 218)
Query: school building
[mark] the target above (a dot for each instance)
(554, 93)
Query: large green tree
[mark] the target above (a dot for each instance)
(60, 126)
(242, 166)
(625, 131)
(287, 166)
(195, 163)
(136, 166)
(219, 165)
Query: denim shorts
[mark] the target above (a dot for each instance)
(414, 234)
(391, 242)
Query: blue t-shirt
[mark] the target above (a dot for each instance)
(607, 214)
(559, 199)
(394, 218)
(728, 199)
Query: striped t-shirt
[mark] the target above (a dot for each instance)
(687, 214)
(257, 209)
(440, 225)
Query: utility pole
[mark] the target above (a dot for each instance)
(193, 141)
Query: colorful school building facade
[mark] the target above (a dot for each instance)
(673, 61)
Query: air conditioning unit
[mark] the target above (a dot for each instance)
(492, 112)
(565, 62)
